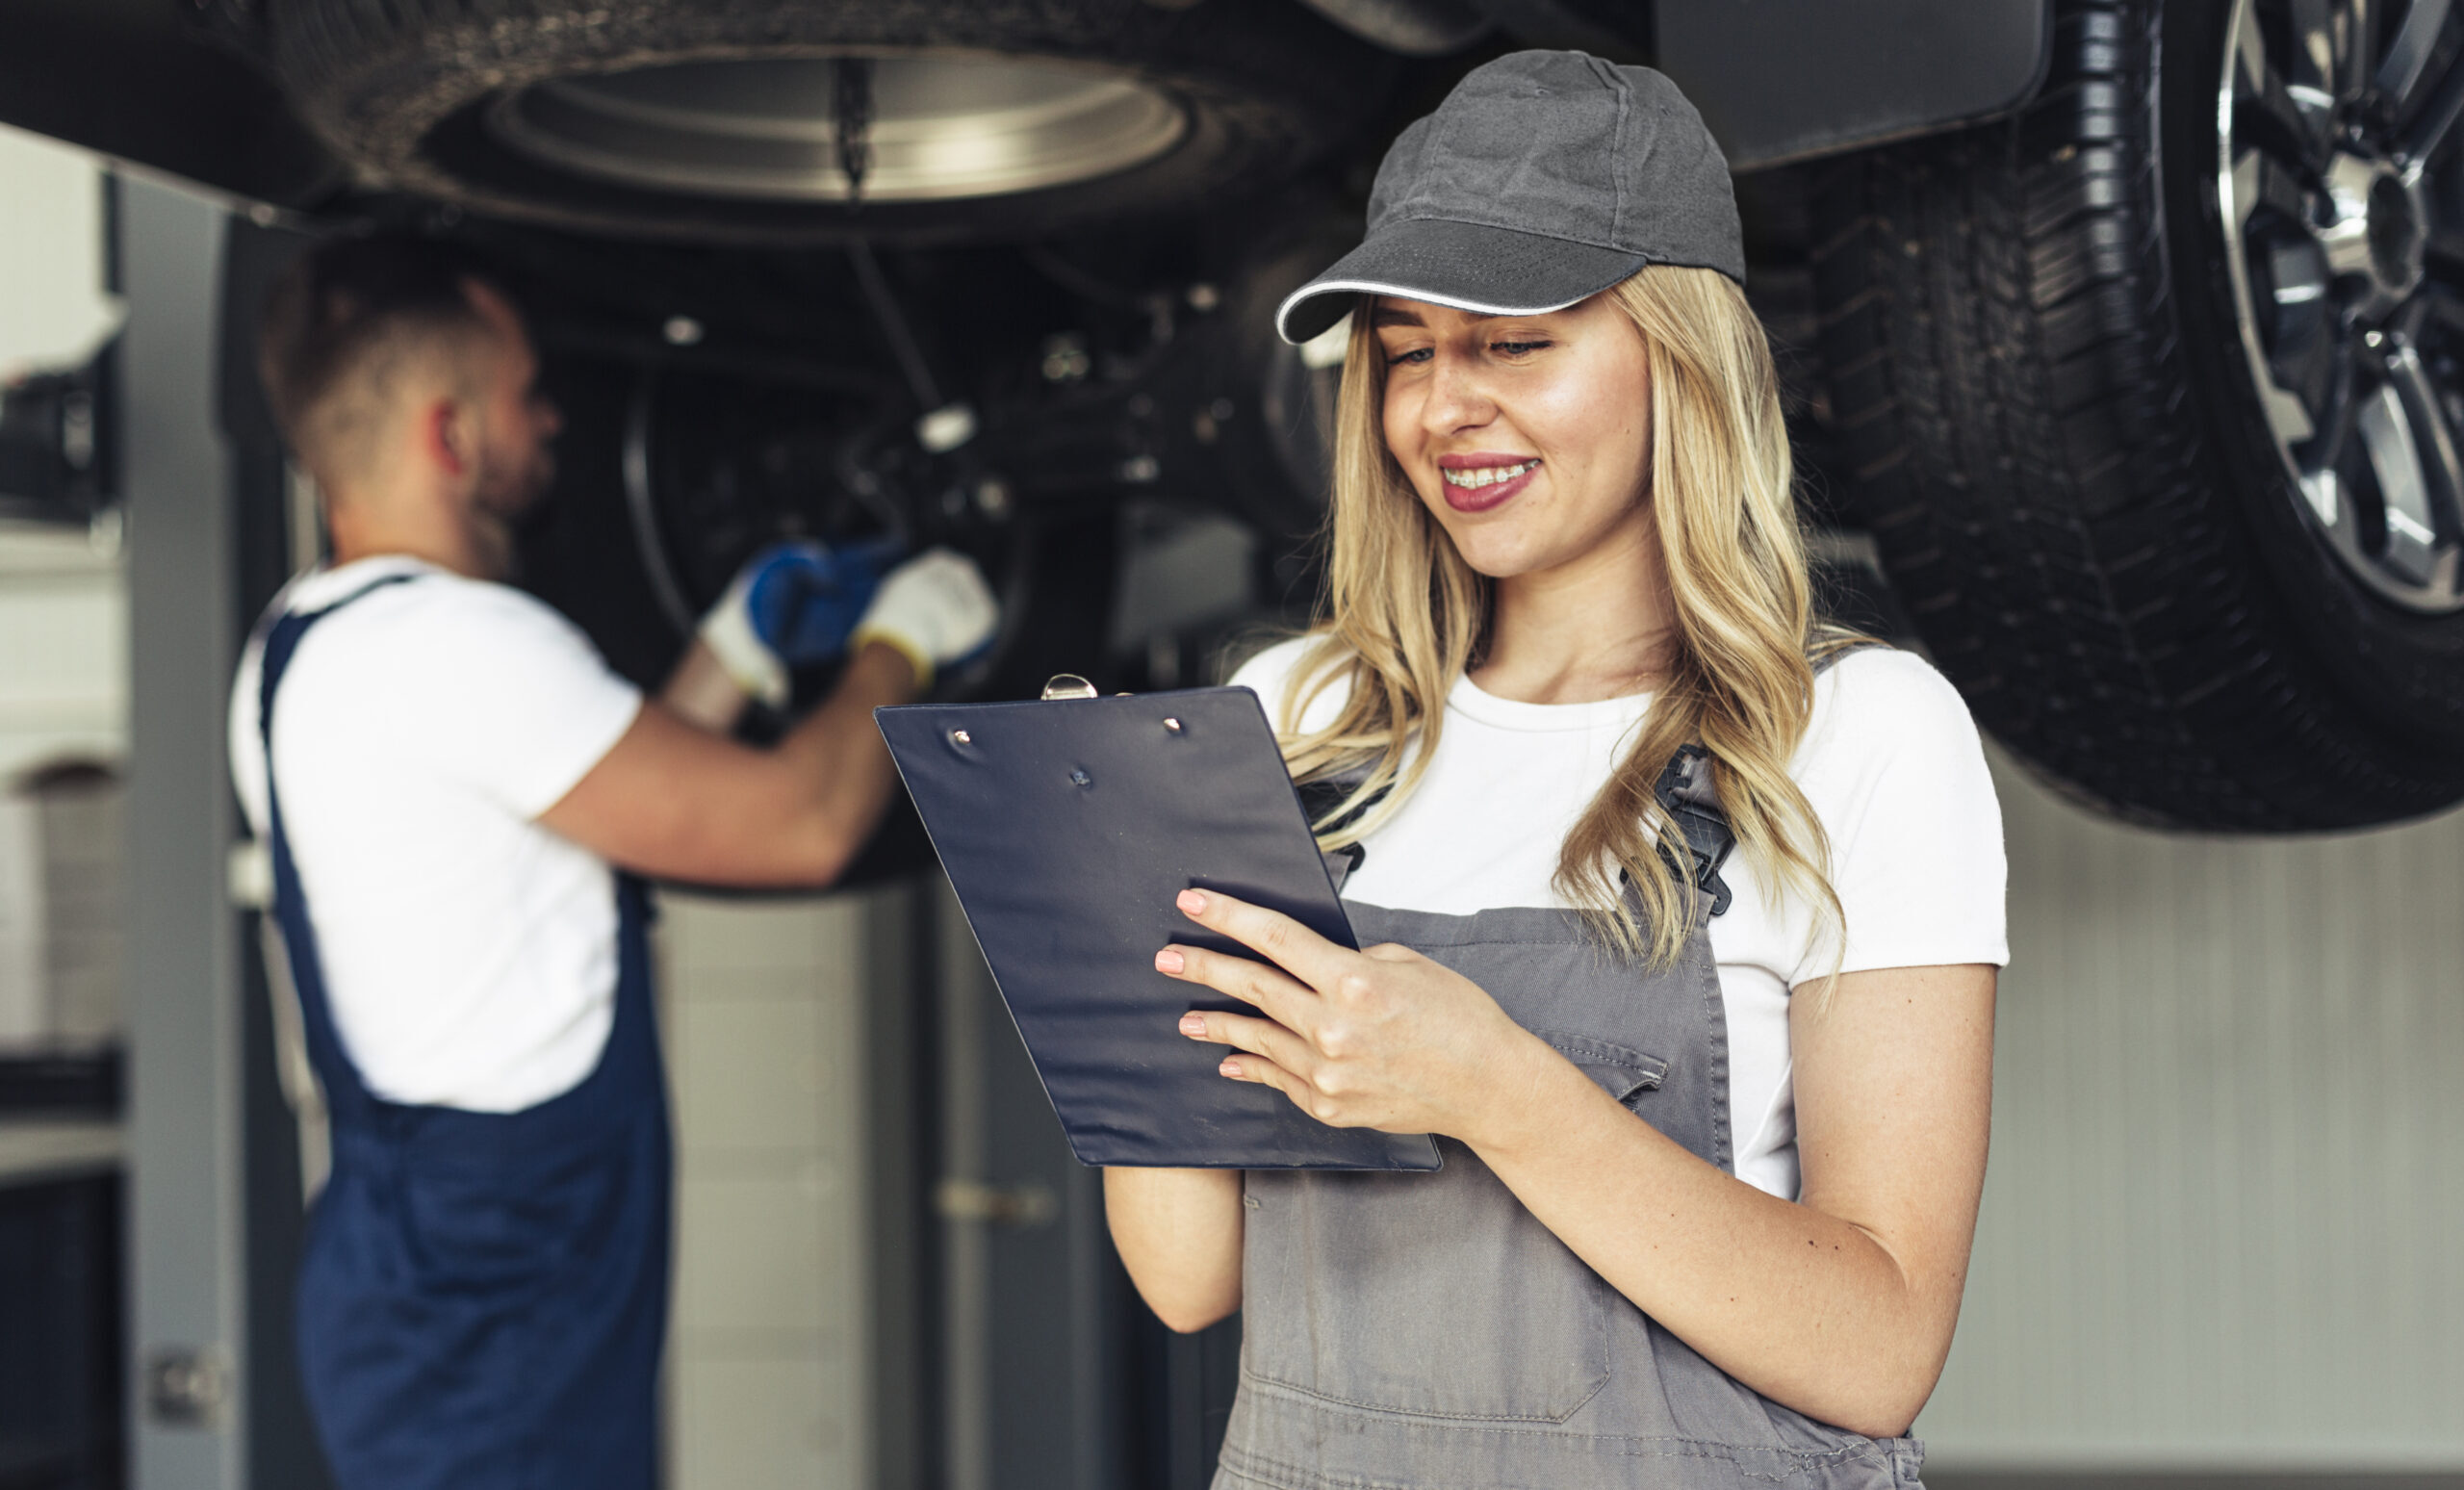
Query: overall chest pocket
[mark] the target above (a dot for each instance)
(1438, 1295)
(1434, 1294)
(512, 1221)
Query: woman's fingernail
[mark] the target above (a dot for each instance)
(1193, 1023)
(1191, 901)
(1229, 1068)
(1170, 961)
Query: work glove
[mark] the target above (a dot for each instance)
(791, 606)
(935, 609)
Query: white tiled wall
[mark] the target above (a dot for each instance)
(767, 1380)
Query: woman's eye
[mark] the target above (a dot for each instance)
(1516, 349)
(1416, 354)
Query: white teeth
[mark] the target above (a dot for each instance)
(1487, 476)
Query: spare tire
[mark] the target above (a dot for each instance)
(739, 121)
(2068, 359)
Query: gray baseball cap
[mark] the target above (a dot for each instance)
(1542, 179)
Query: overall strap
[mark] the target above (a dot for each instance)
(281, 640)
(1323, 796)
(345, 1092)
(1687, 794)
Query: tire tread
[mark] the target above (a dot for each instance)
(2009, 392)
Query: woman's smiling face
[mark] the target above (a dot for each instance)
(1528, 437)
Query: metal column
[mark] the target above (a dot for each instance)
(186, 1223)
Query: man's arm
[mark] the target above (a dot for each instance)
(676, 800)
(700, 693)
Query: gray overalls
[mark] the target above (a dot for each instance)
(1427, 1332)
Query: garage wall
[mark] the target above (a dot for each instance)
(63, 607)
(53, 308)
(64, 686)
(2222, 1219)
(768, 1364)
(64, 646)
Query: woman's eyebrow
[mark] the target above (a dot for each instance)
(1387, 316)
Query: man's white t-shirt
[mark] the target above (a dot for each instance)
(1891, 764)
(468, 954)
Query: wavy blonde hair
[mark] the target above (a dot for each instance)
(1403, 616)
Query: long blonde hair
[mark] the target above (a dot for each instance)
(1403, 616)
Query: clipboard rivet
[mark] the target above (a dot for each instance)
(961, 737)
(1081, 779)
(1172, 725)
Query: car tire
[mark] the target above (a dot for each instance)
(2048, 415)
(404, 90)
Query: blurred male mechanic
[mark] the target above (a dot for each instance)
(460, 793)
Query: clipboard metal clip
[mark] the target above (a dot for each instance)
(1068, 686)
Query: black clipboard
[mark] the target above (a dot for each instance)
(1066, 827)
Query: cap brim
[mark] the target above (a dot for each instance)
(1469, 266)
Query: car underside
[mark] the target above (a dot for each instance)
(2121, 338)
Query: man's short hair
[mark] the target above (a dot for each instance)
(344, 319)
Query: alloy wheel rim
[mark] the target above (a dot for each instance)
(2341, 178)
(923, 126)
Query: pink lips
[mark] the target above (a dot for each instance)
(1481, 498)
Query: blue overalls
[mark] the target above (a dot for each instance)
(484, 1295)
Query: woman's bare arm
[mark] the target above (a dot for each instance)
(1840, 1305)
(1179, 1232)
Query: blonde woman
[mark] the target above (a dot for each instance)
(1683, 914)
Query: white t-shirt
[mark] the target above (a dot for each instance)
(1891, 764)
(470, 955)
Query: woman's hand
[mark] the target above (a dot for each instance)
(1840, 1305)
(1381, 1038)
